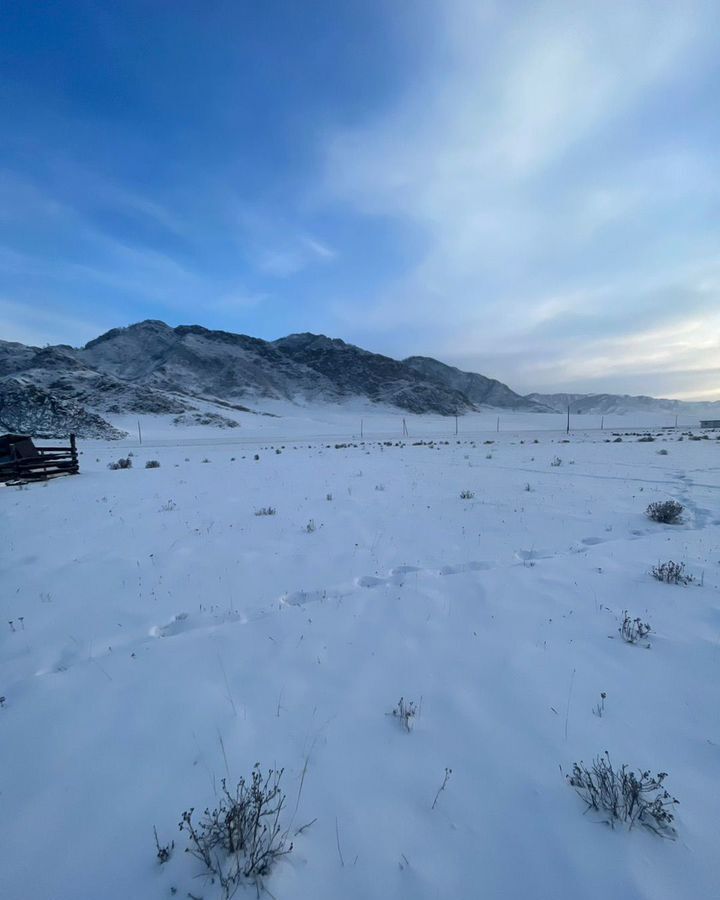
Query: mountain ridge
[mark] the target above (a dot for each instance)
(150, 367)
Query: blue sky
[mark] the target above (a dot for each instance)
(530, 190)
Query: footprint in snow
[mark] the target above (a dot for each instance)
(465, 567)
(370, 581)
(300, 598)
(176, 625)
(182, 622)
(528, 555)
(69, 655)
(397, 575)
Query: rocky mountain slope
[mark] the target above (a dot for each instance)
(196, 375)
(150, 368)
(356, 372)
(27, 409)
(478, 389)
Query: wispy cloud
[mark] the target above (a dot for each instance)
(38, 326)
(289, 256)
(274, 244)
(537, 166)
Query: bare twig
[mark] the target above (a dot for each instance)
(567, 709)
(303, 827)
(337, 838)
(227, 684)
(448, 773)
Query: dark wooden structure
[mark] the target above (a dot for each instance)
(21, 460)
(710, 423)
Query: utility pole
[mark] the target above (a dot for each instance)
(139, 432)
(361, 429)
(568, 421)
(405, 431)
(456, 424)
(498, 424)
(602, 423)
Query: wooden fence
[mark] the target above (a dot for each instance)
(30, 463)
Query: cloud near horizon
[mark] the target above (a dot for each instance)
(529, 190)
(561, 170)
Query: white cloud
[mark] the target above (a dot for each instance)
(521, 160)
(28, 324)
(290, 255)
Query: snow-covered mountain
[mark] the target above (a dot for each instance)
(196, 375)
(150, 367)
(196, 363)
(620, 404)
(478, 389)
(27, 409)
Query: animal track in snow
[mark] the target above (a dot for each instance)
(398, 574)
(300, 598)
(531, 555)
(183, 622)
(465, 567)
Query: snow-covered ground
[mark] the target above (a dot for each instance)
(285, 420)
(159, 636)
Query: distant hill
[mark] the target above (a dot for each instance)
(622, 404)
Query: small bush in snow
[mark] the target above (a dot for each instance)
(466, 495)
(241, 839)
(666, 511)
(122, 463)
(328, 496)
(633, 630)
(164, 851)
(405, 712)
(599, 708)
(624, 795)
(646, 439)
(662, 452)
(671, 573)
(556, 462)
(152, 464)
(310, 527)
(265, 511)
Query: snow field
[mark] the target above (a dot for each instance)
(163, 637)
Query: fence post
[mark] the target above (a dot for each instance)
(74, 455)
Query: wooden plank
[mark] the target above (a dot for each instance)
(60, 462)
(66, 449)
(47, 467)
